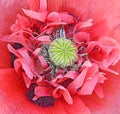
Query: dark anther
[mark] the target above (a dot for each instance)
(44, 101)
(17, 46)
(74, 67)
(66, 82)
(51, 37)
(36, 31)
(96, 48)
(13, 57)
(57, 34)
(30, 92)
(81, 49)
(53, 71)
(70, 28)
(48, 77)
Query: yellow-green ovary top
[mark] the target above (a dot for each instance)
(62, 52)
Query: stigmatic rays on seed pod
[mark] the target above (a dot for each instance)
(62, 52)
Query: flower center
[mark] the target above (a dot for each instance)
(62, 52)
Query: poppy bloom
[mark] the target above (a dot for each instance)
(59, 57)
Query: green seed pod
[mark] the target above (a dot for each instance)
(62, 52)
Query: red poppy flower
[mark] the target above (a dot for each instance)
(59, 57)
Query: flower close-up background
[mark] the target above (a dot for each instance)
(59, 56)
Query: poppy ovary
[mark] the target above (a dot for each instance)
(62, 52)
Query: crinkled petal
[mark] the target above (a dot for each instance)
(71, 74)
(26, 79)
(16, 38)
(66, 18)
(22, 63)
(12, 50)
(57, 17)
(40, 16)
(44, 39)
(21, 22)
(43, 91)
(81, 37)
(60, 90)
(110, 103)
(78, 82)
(54, 16)
(89, 86)
(54, 24)
(43, 62)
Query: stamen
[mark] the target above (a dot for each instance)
(62, 33)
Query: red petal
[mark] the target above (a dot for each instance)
(4, 56)
(34, 4)
(13, 100)
(99, 91)
(40, 16)
(26, 79)
(111, 102)
(80, 108)
(91, 81)
(20, 23)
(54, 24)
(66, 18)
(43, 5)
(43, 62)
(60, 90)
(12, 50)
(44, 39)
(114, 55)
(60, 17)
(116, 33)
(84, 24)
(27, 64)
(78, 82)
(13, 38)
(81, 37)
(54, 17)
(42, 91)
(21, 62)
(89, 86)
(71, 74)
(8, 11)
